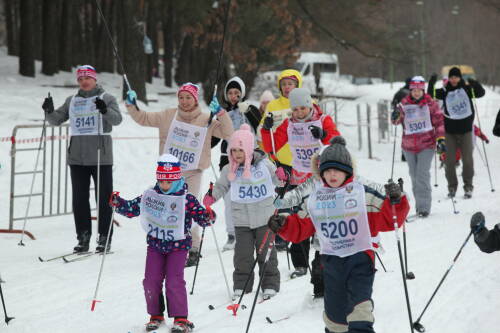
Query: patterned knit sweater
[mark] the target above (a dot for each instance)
(194, 211)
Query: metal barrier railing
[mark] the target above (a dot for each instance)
(53, 170)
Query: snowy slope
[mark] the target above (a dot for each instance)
(56, 297)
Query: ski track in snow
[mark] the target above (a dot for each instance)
(56, 297)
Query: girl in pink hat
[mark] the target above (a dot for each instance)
(250, 180)
(186, 132)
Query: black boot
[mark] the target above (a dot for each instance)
(83, 242)
(101, 244)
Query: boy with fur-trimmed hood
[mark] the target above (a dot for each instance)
(347, 217)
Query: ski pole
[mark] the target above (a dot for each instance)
(484, 146)
(42, 137)
(394, 149)
(115, 50)
(7, 318)
(235, 307)
(435, 171)
(221, 264)
(268, 255)
(417, 325)
(479, 152)
(95, 300)
(198, 260)
(394, 218)
(380, 259)
(221, 53)
(210, 190)
(409, 275)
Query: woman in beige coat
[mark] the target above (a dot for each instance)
(186, 132)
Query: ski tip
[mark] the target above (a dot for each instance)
(269, 320)
(211, 307)
(41, 260)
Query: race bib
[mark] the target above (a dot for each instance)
(417, 119)
(257, 188)
(185, 141)
(340, 219)
(84, 116)
(302, 144)
(458, 104)
(162, 216)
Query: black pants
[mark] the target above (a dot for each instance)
(80, 181)
(297, 251)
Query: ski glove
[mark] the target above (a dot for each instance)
(48, 105)
(214, 106)
(131, 98)
(477, 223)
(211, 215)
(113, 199)
(317, 132)
(281, 174)
(395, 115)
(276, 222)
(208, 200)
(393, 191)
(100, 105)
(268, 122)
(441, 146)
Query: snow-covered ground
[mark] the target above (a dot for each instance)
(56, 297)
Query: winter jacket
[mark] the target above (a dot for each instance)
(281, 138)
(496, 128)
(221, 127)
(378, 208)
(473, 89)
(251, 215)
(82, 149)
(280, 108)
(194, 211)
(417, 142)
(488, 241)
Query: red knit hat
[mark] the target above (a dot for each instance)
(86, 71)
(417, 82)
(190, 88)
(245, 140)
(169, 168)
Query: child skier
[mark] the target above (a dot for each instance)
(166, 211)
(250, 179)
(423, 128)
(305, 131)
(186, 132)
(346, 217)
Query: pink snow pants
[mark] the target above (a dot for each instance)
(168, 267)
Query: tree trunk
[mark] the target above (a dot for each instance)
(26, 46)
(37, 29)
(50, 30)
(66, 36)
(12, 25)
(182, 74)
(134, 58)
(104, 48)
(168, 41)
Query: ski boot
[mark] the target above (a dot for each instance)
(182, 325)
(154, 323)
(237, 294)
(83, 242)
(423, 214)
(452, 193)
(101, 244)
(468, 194)
(268, 293)
(299, 271)
(229, 244)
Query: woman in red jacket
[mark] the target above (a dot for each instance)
(423, 128)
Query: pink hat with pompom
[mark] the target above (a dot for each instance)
(245, 140)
